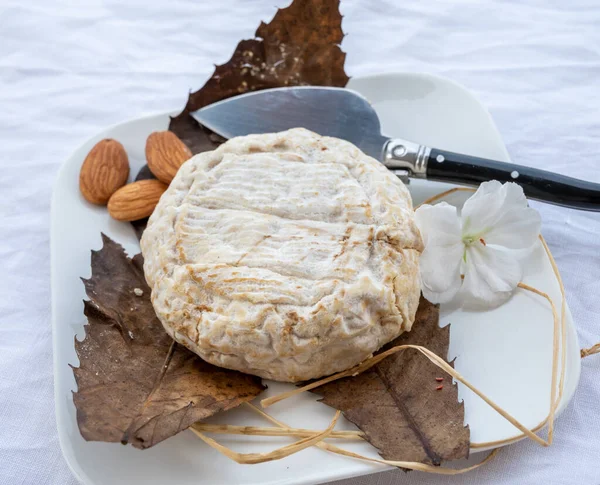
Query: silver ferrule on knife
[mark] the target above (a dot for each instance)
(406, 158)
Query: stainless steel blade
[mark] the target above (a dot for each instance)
(327, 111)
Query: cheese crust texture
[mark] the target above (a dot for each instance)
(286, 255)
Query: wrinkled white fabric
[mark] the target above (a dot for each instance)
(69, 68)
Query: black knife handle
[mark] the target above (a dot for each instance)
(537, 184)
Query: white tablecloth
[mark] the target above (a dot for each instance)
(72, 67)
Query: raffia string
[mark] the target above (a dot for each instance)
(409, 465)
(270, 431)
(436, 360)
(554, 400)
(441, 363)
(594, 349)
(316, 438)
(440, 196)
(253, 458)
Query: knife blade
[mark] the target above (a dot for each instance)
(328, 111)
(345, 114)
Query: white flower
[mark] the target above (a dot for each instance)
(485, 244)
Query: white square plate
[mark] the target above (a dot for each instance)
(505, 352)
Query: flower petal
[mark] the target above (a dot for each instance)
(499, 213)
(440, 272)
(491, 274)
(519, 226)
(482, 209)
(441, 258)
(439, 224)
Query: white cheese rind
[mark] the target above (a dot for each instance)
(286, 255)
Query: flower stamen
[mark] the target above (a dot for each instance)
(470, 239)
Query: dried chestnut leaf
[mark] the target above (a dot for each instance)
(300, 46)
(396, 404)
(135, 384)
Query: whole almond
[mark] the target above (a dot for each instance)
(165, 153)
(136, 200)
(104, 170)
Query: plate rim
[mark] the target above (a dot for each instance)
(77, 471)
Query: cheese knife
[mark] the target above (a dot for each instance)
(346, 114)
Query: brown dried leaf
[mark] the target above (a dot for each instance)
(300, 46)
(135, 384)
(396, 404)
